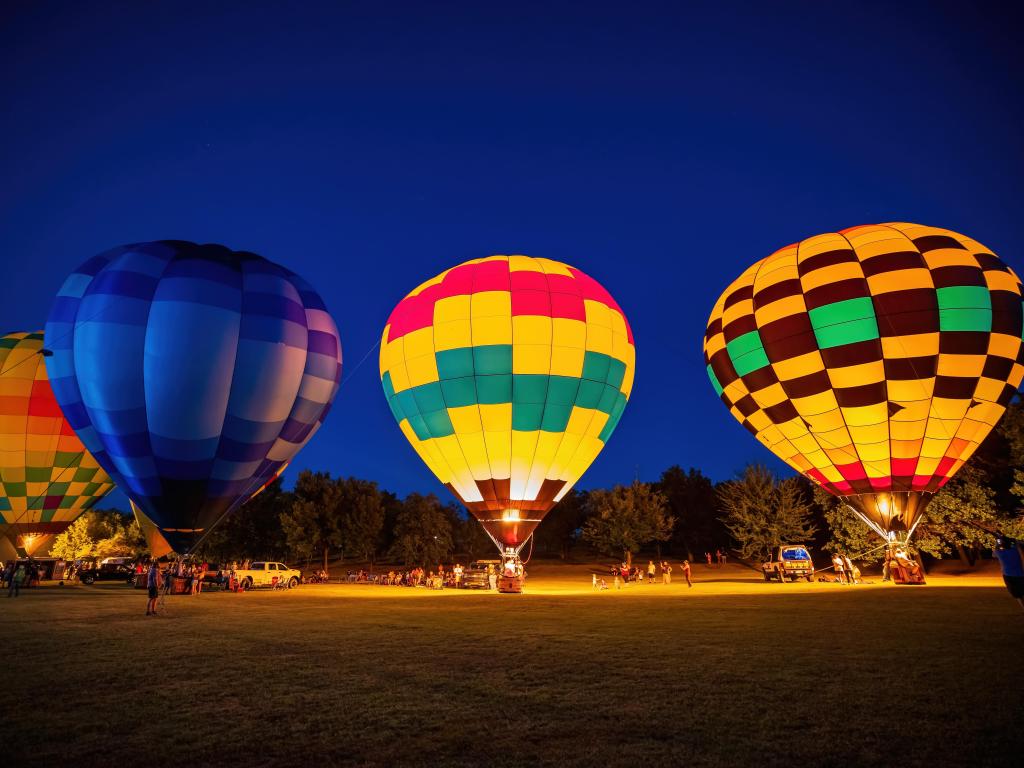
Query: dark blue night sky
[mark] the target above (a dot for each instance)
(369, 146)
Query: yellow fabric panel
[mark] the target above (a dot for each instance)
(815, 404)
(524, 264)
(759, 420)
(868, 414)
(567, 332)
(597, 314)
(452, 334)
(960, 365)
(422, 369)
(492, 330)
(913, 410)
(798, 366)
(1004, 345)
(566, 450)
(452, 308)
(400, 377)
(784, 307)
(872, 433)
(9, 472)
(12, 386)
(1001, 281)
(1016, 374)
(524, 445)
(579, 420)
(567, 361)
(531, 329)
(855, 375)
(845, 271)
(905, 449)
(465, 418)
(988, 389)
(618, 325)
(737, 310)
(499, 452)
(948, 257)
(474, 450)
(874, 453)
(585, 455)
(490, 304)
(903, 391)
(553, 267)
(599, 339)
(496, 417)
(907, 430)
(456, 461)
(597, 423)
(900, 280)
(627, 380)
(531, 358)
(947, 409)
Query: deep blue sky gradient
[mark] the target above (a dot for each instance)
(368, 146)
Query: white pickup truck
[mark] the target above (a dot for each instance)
(266, 574)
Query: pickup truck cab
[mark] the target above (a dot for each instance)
(789, 562)
(268, 574)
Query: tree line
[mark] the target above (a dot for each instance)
(683, 514)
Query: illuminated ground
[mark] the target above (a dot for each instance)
(733, 672)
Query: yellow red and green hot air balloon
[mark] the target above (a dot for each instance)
(507, 375)
(872, 360)
(47, 477)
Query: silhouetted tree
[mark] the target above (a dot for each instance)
(423, 531)
(562, 526)
(694, 505)
(312, 526)
(762, 513)
(361, 506)
(627, 517)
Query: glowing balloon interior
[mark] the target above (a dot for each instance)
(47, 477)
(873, 360)
(508, 375)
(193, 373)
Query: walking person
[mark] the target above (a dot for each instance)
(686, 572)
(17, 579)
(153, 588)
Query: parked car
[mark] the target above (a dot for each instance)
(474, 576)
(267, 574)
(789, 562)
(106, 572)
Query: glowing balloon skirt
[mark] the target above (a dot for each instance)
(873, 360)
(193, 373)
(508, 375)
(47, 477)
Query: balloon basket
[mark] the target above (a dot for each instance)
(511, 584)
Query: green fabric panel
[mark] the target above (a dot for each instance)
(459, 393)
(491, 390)
(616, 372)
(57, 489)
(965, 320)
(562, 390)
(428, 397)
(66, 502)
(84, 475)
(964, 297)
(37, 474)
(613, 419)
(396, 409)
(407, 403)
(747, 353)
(47, 515)
(608, 398)
(389, 387)
(91, 489)
(492, 359)
(844, 322)
(846, 333)
(714, 381)
(589, 394)
(67, 459)
(438, 423)
(419, 427)
(556, 417)
(8, 343)
(527, 417)
(454, 363)
(529, 388)
(16, 489)
(595, 366)
(5, 503)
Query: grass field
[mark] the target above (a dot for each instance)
(733, 672)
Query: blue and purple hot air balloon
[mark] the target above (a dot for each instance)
(193, 373)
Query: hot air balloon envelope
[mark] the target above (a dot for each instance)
(508, 375)
(193, 373)
(873, 360)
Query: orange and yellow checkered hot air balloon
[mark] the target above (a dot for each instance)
(47, 478)
(873, 360)
(507, 375)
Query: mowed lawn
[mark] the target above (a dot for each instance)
(733, 672)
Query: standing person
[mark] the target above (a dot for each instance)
(686, 572)
(666, 572)
(593, 580)
(850, 573)
(617, 578)
(707, 556)
(718, 557)
(1008, 553)
(152, 588)
(9, 573)
(17, 579)
(839, 566)
(887, 565)
(492, 577)
(650, 571)
(725, 557)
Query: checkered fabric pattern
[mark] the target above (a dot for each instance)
(192, 373)
(508, 375)
(47, 478)
(873, 360)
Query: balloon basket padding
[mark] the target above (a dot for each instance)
(512, 585)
